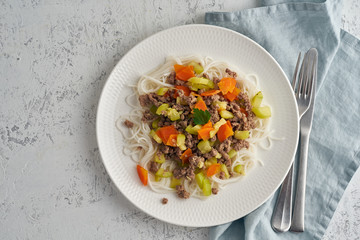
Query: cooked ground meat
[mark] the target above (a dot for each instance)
(243, 97)
(224, 146)
(181, 192)
(196, 161)
(206, 76)
(239, 144)
(231, 73)
(190, 100)
(164, 149)
(179, 172)
(154, 167)
(144, 100)
(216, 81)
(171, 78)
(214, 191)
(164, 201)
(225, 158)
(210, 99)
(215, 117)
(148, 116)
(211, 154)
(156, 99)
(187, 172)
(222, 175)
(189, 143)
(128, 123)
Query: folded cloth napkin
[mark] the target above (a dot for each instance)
(284, 28)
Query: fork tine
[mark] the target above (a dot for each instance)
(296, 72)
(312, 77)
(302, 72)
(307, 77)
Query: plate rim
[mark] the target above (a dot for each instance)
(107, 82)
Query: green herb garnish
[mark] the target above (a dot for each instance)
(201, 117)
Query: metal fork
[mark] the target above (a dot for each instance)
(302, 86)
(298, 223)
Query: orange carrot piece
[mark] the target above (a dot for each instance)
(225, 131)
(227, 85)
(185, 156)
(172, 140)
(204, 133)
(184, 72)
(165, 132)
(210, 93)
(231, 96)
(200, 105)
(178, 67)
(213, 169)
(143, 174)
(207, 125)
(185, 89)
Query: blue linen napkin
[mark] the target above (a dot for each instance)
(284, 28)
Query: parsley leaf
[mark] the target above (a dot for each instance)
(201, 117)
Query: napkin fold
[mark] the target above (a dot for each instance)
(284, 28)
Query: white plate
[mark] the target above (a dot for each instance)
(238, 199)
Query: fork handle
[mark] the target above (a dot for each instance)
(297, 224)
(281, 218)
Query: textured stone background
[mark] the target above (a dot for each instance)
(54, 59)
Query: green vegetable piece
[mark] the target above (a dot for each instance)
(180, 141)
(232, 153)
(201, 117)
(159, 172)
(197, 67)
(155, 136)
(241, 135)
(220, 105)
(200, 179)
(173, 114)
(167, 174)
(225, 170)
(162, 107)
(190, 130)
(157, 178)
(175, 182)
(206, 188)
(239, 169)
(204, 146)
(226, 114)
(193, 130)
(257, 99)
(210, 162)
(153, 109)
(155, 123)
(218, 155)
(162, 91)
(160, 159)
(162, 173)
(196, 83)
(262, 112)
